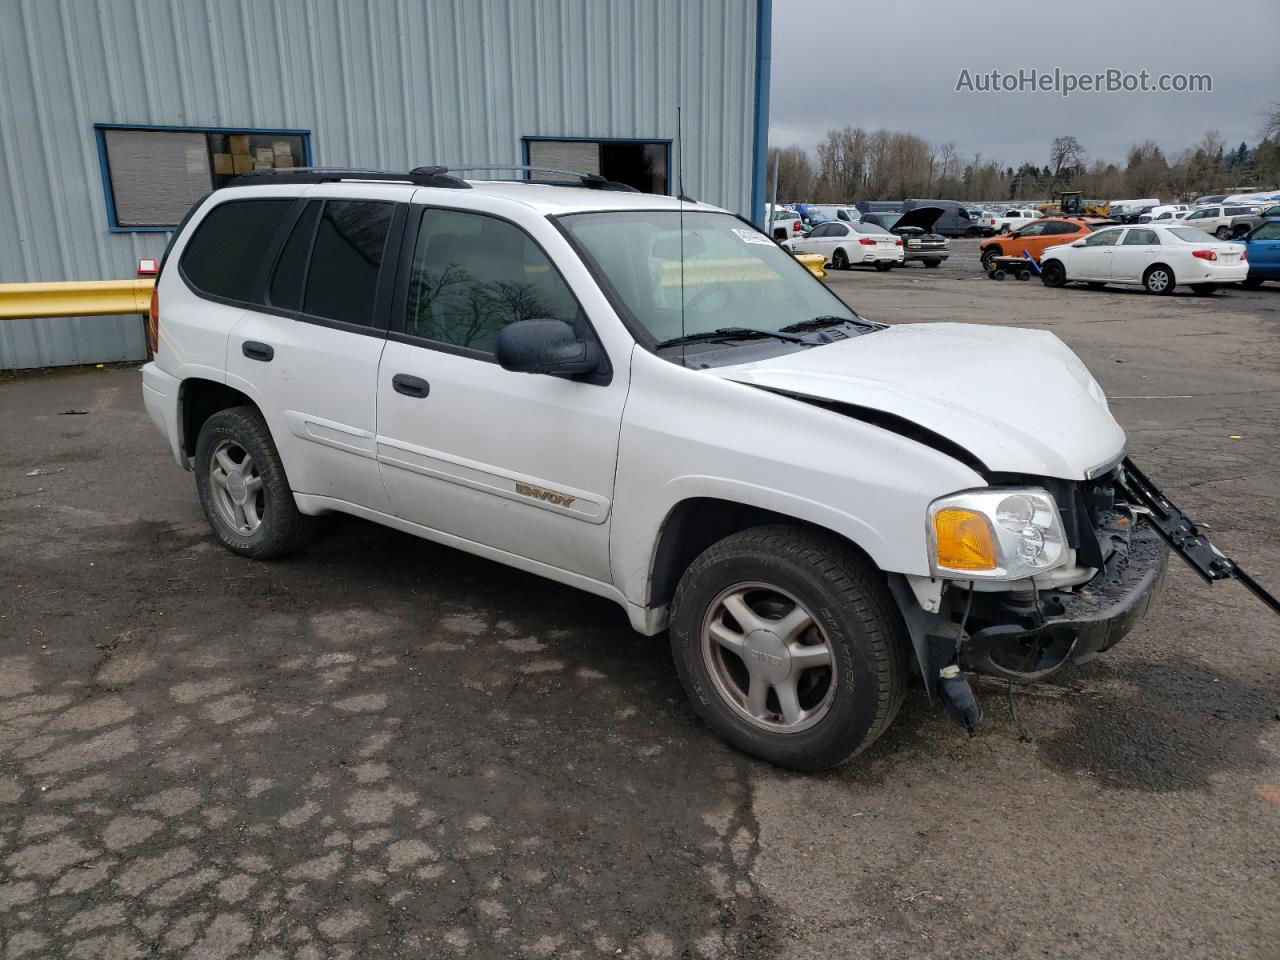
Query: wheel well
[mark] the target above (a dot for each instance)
(695, 524)
(201, 399)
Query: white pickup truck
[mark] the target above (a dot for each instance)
(650, 400)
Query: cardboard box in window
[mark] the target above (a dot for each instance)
(222, 164)
(243, 164)
(263, 156)
(284, 160)
(239, 144)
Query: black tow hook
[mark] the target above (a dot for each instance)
(958, 701)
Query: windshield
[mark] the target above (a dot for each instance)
(732, 275)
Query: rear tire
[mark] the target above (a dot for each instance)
(1053, 274)
(1159, 280)
(1204, 289)
(840, 260)
(840, 706)
(1223, 233)
(1251, 283)
(932, 264)
(883, 266)
(243, 487)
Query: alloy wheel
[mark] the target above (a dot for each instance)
(236, 488)
(768, 658)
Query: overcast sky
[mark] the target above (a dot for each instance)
(893, 64)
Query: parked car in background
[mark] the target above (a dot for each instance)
(1160, 258)
(1214, 198)
(1216, 219)
(1033, 239)
(1242, 226)
(1015, 219)
(953, 221)
(1133, 215)
(1120, 209)
(844, 245)
(878, 206)
(829, 211)
(915, 227)
(786, 224)
(1263, 246)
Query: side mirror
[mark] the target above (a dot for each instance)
(545, 346)
(1078, 243)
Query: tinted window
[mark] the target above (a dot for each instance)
(1106, 238)
(342, 281)
(1058, 229)
(291, 268)
(1239, 211)
(837, 230)
(472, 275)
(1268, 231)
(225, 257)
(1136, 238)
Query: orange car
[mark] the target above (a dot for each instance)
(1036, 237)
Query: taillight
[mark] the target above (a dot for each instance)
(898, 242)
(867, 241)
(1204, 254)
(797, 226)
(153, 322)
(1244, 254)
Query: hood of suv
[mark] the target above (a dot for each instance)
(921, 217)
(1018, 400)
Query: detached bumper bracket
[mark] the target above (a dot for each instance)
(1185, 538)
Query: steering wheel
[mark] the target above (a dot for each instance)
(723, 289)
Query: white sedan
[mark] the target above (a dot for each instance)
(1156, 256)
(846, 244)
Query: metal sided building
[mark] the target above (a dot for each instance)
(116, 115)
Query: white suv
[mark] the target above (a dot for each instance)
(1217, 219)
(594, 386)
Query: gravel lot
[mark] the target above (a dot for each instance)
(384, 748)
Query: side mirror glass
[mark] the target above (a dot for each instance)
(545, 346)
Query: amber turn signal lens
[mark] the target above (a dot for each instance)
(964, 539)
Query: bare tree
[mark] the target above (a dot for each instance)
(796, 174)
(1065, 156)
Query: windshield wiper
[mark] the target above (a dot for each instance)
(822, 322)
(730, 333)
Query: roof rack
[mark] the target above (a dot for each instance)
(592, 181)
(419, 176)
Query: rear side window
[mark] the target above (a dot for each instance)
(291, 269)
(346, 259)
(226, 257)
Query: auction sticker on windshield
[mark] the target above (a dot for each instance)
(751, 236)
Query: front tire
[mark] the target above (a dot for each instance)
(1053, 274)
(243, 487)
(989, 258)
(789, 646)
(1158, 280)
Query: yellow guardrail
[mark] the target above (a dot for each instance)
(75, 298)
(816, 263)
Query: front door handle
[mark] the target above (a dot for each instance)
(410, 386)
(257, 351)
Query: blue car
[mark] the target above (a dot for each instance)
(1264, 253)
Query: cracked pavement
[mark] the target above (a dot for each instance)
(385, 748)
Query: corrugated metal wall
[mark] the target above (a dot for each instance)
(380, 83)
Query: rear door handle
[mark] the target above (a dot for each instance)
(410, 386)
(257, 351)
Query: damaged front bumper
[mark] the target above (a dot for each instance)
(1052, 628)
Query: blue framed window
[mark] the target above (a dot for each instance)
(635, 161)
(152, 174)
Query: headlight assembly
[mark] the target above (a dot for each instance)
(995, 534)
